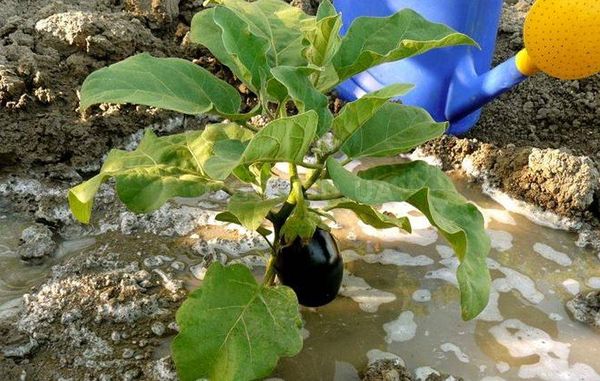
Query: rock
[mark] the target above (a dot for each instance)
(20, 350)
(100, 35)
(36, 242)
(158, 328)
(586, 308)
(157, 13)
(386, 370)
(11, 86)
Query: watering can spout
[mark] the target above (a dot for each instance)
(469, 91)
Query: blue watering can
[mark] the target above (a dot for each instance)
(453, 83)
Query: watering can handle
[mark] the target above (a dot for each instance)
(468, 91)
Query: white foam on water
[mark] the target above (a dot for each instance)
(572, 286)
(502, 367)
(421, 237)
(533, 213)
(492, 311)
(398, 258)
(523, 340)
(402, 329)
(593, 282)
(515, 280)
(499, 215)
(500, 239)
(421, 296)
(376, 355)
(423, 372)
(554, 316)
(444, 251)
(460, 355)
(551, 254)
(350, 255)
(368, 298)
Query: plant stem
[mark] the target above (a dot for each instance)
(311, 166)
(324, 197)
(269, 278)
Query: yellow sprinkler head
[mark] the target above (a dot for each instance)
(562, 38)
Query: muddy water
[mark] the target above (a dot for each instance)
(405, 302)
(16, 276)
(400, 299)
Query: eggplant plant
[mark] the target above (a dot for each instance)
(234, 328)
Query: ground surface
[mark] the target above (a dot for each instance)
(538, 143)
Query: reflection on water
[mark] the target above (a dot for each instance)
(405, 301)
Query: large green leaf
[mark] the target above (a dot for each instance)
(250, 209)
(305, 95)
(277, 22)
(284, 139)
(428, 189)
(167, 83)
(394, 129)
(372, 41)
(159, 169)
(233, 329)
(204, 146)
(246, 49)
(354, 114)
(370, 216)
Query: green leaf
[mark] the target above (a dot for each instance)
(247, 50)
(304, 94)
(250, 209)
(370, 216)
(284, 139)
(354, 114)
(394, 129)
(372, 41)
(204, 147)
(325, 10)
(323, 36)
(159, 169)
(276, 22)
(232, 219)
(428, 189)
(233, 329)
(167, 83)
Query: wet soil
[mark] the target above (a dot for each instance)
(538, 143)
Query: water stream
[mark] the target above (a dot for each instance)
(400, 299)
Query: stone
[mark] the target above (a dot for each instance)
(157, 13)
(586, 308)
(36, 242)
(386, 370)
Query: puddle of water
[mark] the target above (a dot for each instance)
(17, 277)
(405, 302)
(400, 298)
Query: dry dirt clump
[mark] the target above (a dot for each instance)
(553, 179)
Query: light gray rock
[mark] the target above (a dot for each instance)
(36, 242)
